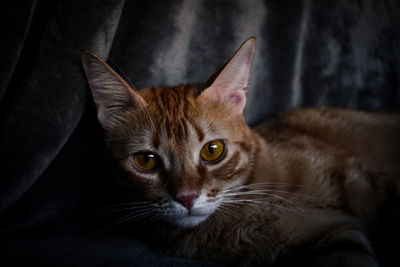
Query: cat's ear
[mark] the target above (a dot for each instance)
(111, 93)
(230, 84)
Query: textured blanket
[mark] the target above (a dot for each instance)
(53, 168)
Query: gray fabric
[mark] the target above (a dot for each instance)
(42, 110)
(337, 53)
(54, 171)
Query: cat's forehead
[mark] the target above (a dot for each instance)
(175, 110)
(170, 98)
(173, 103)
(178, 117)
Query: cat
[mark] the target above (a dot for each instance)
(299, 188)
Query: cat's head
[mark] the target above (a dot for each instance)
(184, 147)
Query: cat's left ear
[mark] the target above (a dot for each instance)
(230, 85)
(111, 93)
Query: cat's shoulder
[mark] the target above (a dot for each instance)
(330, 124)
(315, 117)
(333, 114)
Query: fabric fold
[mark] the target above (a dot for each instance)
(50, 96)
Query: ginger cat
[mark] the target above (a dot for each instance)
(206, 186)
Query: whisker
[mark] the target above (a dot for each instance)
(227, 211)
(122, 208)
(291, 193)
(150, 220)
(259, 193)
(256, 203)
(126, 204)
(275, 184)
(133, 215)
(126, 219)
(268, 192)
(237, 203)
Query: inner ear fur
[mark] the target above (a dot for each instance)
(111, 93)
(229, 84)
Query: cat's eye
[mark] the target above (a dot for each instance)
(213, 151)
(146, 161)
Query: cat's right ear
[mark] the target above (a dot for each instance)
(230, 84)
(111, 93)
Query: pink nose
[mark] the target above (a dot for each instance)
(187, 200)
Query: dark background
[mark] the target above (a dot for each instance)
(52, 160)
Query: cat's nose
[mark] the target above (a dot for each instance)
(187, 200)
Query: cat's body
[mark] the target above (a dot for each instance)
(213, 189)
(329, 178)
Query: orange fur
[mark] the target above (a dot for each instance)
(312, 176)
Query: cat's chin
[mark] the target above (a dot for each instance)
(188, 218)
(190, 221)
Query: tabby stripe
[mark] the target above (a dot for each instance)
(156, 140)
(187, 93)
(184, 126)
(154, 95)
(227, 168)
(166, 101)
(199, 131)
(159, 104)
(245, 146)
(202, 171)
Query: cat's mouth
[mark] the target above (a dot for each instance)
(189, 217)
(190, 220)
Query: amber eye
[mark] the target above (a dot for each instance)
(213, 151)
(146, 161)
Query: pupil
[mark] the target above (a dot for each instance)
(147, 158)
(211, 148)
